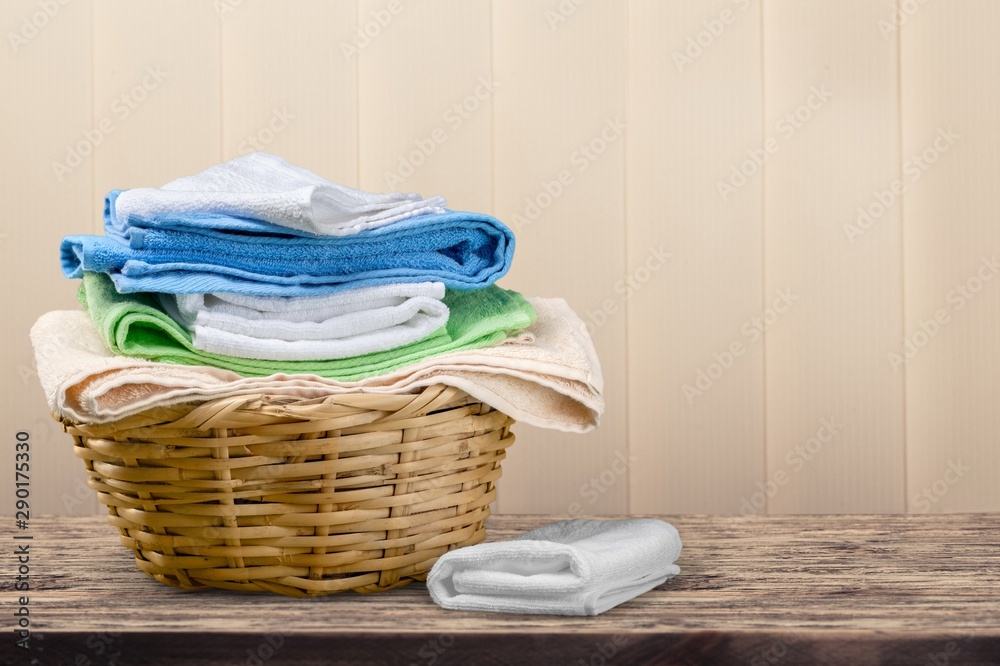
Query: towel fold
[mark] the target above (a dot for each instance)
(264, 187)
(133, 325)
(203, 255)
(215, 309)
(548, 376)
(572, 567)
(351, 323)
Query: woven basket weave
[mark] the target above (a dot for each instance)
(299, 497)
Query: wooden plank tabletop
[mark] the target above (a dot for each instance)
(756, 590)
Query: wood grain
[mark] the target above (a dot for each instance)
(792, 590)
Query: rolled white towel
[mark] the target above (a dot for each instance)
(571, 567)
(349, 323)
(226, 310)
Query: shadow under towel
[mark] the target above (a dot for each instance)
(133, 325)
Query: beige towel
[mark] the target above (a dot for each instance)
(548, 377)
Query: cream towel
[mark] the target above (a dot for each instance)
(549, 376)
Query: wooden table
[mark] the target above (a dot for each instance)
(755, 590)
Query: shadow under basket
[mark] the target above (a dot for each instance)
(298, 497)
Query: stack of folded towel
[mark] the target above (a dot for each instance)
(262, 267)
(256, 268)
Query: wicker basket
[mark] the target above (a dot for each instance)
(299, 497)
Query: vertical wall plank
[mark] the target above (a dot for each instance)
(560, 184)
(426, 99)
(950, 145)
(834, 406)
(156, 91)
(297, 97)
(156, 83)
(692, 112)
(46, 185)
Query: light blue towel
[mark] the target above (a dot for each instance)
(201, 254)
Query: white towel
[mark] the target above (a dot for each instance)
(549, 376)
(265, 187)
(572, 567)
(353, 322)
(211, 309)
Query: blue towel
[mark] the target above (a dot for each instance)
(201, 254)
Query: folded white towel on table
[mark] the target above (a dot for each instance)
(349, 323)
(572, 567)
(265, 187)
(549, 376)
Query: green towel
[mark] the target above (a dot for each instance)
(133, 325)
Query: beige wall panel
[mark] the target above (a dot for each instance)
(559, 165)
(695, 409)
(834, 406)
(46, 180)
(288, 87)
(156, 84)
(950, 354)
(425, 99)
